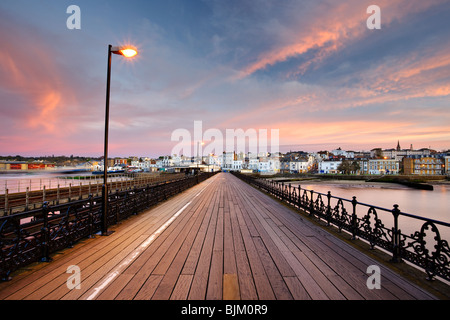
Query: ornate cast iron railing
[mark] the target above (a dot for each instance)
(424, 248)
(33, 235)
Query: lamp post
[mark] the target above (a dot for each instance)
(198, 151)
(127, 52)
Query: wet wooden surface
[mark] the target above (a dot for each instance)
(220, 240)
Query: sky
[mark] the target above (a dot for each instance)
(312, 70)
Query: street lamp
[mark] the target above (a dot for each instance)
(127, 52)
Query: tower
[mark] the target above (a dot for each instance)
(398, 145)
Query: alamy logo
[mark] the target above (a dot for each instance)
(374, 281)
(253, 140)
(74, 21)
(374, 21)
(74, 280)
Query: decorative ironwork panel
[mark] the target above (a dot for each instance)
(427, 249)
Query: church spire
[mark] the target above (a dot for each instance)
(398, 145)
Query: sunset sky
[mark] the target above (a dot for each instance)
(311, 69)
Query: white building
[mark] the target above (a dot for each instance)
(340, 152)
(185, 161)
(212, 159)
(329, 166)
(253, 164)
(383, 166)
(237, 165)
(136, 163)
(167, 161)
(142, 165)
(269, 165)
(299, 166)
(227, 160)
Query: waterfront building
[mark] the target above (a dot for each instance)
(398, 153)
(237, 165)
(342, 153)
(329, 166)
(120, 161)
(299, 166)
(427, 166)
(447, 165)
(146, 165)
(227, 160)
(269, 165)
(284, 166)
(383, 166)
(253, 163)
(363, 166)
(361, 154)
(23, 165)
(214, 160)
(167, 161)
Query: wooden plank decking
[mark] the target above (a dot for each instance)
(220, 240)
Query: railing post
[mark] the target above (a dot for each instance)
(354, 219)
(396, 236)
(117, 206)
(104, 219)
(91, 217)
(329, 208)
(290, 199)
(45, 234)
(135, 200)
(6, 202)
(311, 204)
(279, 188)
(299, 198)
(26, 199)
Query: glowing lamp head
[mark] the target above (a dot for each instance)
(127, 52)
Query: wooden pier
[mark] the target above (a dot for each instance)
(219, 240)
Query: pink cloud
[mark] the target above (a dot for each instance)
(30, 72)
(331, 27)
